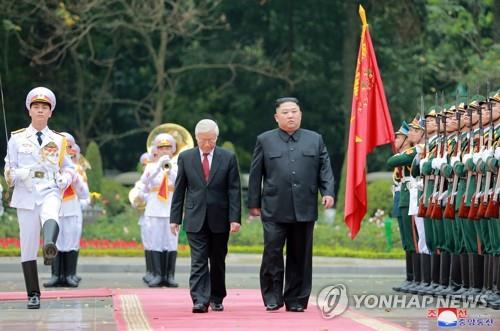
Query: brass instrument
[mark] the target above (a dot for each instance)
(182, 137)
(183, 140)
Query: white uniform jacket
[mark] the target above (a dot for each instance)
(152, 178)
(44, 162)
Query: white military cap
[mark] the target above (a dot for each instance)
(164, 139)
(145, 157)
(69, 138)
(41, 94)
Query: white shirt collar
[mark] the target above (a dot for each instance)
(32, 130)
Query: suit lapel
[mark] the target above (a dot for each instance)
(215, 165)
(196, 162)
(32, 138)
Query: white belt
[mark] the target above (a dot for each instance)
(42, 175)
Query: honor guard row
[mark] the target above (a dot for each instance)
(446, 190)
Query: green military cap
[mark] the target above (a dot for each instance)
(416, 123)
(448, 108)
(476, 100)
(403, 130)
(432, 111)
(494, 96)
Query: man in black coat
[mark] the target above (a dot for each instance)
(293, 165)
(208, 184)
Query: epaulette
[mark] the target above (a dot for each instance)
(18, 131)
(59, 133)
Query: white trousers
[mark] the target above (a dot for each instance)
(70, 232)
(157, 235)
(30, 223)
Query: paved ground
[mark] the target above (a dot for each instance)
(369, 277)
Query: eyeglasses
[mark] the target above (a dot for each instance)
(280, 101)
(206, 141)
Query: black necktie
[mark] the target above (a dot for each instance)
(39, 135)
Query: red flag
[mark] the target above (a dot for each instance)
(370, 126)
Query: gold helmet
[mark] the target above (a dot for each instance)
(182, 137)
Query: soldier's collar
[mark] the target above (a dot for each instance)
(31, 130)
(286, 137)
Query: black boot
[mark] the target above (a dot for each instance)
(156, 280)
(455, 280)
(149, 275)
(475, 275)
(434, 265)
(425, 268)
(171, 260)
(417, 274)
(494, 296)
(50, 232)
(30, 272)
(77, 278)
(444, 272)
(464, 270)
(70, 268)
(495, 303)
(409, 274)
(57, 272)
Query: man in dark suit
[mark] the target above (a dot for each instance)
(293, 165)
(208, 183)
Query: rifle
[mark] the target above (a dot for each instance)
(463, 211)
(423, 198)
(437, 211)
(483, 205)
(492, 210)
(474, 206)
(432, 200)
(449, 211)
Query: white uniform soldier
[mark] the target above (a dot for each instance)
(37, 167)
(158, 182)
(70, 222)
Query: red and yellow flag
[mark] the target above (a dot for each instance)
(370, 126)
(163, 190)
(69, 193)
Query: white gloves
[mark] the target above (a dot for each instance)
(454, 159)
(497, 153)
(486, 154)
(63, 180)
(19, 175)
(438, 162)
(466, 157)
(163, 160)
(476, 157)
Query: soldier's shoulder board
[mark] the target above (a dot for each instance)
(18, 131)
(59, 133)
(411, 150)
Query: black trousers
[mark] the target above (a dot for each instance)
(208, 284)
(298, 237)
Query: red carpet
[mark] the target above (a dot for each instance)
(170, 309)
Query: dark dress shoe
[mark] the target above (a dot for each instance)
(34, 302)
(295, 309)
(216, 306)
(273, 307)
(200, 308)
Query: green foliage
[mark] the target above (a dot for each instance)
(95, 174)
(114, 197)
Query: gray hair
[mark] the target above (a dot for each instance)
(206, 125)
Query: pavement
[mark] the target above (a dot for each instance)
(363, 278)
